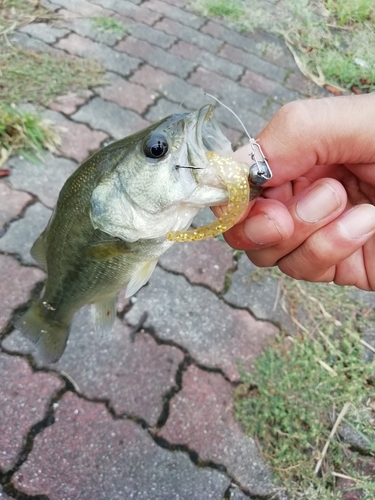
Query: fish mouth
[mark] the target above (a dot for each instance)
(204, 134)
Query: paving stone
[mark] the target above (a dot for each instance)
(44, 179)
(201, 416)
(96, 457)
(77, 140)
(151, 35)
(175, 13)
(237, 494)
(69, 103)
(271, 109)
(163, 108)
(86, 27)
(230, 92)
(155, 56)
(204, 262)
(114, 120)
(33, 44)
(253, 63)
(232, 37)
(264, 85)
(126, 94)
(111, 59)
(132, 376)
(216, 335)
(12, 202)
(22, 233)
(50, 5)
(274, 50)
(207, 60)
(24, 399)
(83, 8)
(16, 284)
(189, 35)
(44, 32)
(301, 84)
(129, 9)
(257, 296)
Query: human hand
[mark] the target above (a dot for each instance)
(316, 218)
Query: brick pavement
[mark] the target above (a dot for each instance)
(150, 418)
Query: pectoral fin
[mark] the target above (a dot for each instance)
(140, 277)
(107, 250)
(104, 315)
(38, 252)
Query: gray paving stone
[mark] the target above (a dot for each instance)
(16, 284)
(44, 32)
(201, 416)
(130, 9)
(111, 59)
(236, 494)
(86, 27)
(133, 376)
(114, 120)
(232, 37)
(180, 15)
(216, 335)
(163, 108)
(30, 43)
(83, 8)
(22, 233)
(50, 5)
(24, 399)
(257, 296)
(44, 179)
(151, 35)
(96, 457)
(155, 56)
(189, 35)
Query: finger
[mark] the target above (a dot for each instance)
(310, 210)
(306, 133)
(268, 223)
(331, 245)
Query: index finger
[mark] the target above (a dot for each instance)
(302, 134)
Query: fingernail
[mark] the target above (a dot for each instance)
(262, 230)
(358, 222)
(319, 202)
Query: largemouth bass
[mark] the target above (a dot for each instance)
(111, 221)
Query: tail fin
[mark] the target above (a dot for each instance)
(48, 335)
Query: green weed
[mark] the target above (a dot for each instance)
(329, 39)
(292, 399)
(25, 133)
(108, 25)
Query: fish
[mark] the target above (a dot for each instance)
(110, 224)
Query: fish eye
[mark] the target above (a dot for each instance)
(156, 146)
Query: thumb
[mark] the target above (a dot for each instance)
(302, 134)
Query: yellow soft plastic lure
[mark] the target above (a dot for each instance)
(235, 175)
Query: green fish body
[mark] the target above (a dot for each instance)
(109, 226)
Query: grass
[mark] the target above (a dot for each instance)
(299, 385)
(329, 39)
(108, 25)
(36, 77)
(25, 133)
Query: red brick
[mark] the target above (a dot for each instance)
(201, 417)
(234, 54)
(204, 262)
(127, 95)
(16, 284)
(186, 50)
(210, 82)
(69, 103)
(12, 203)
(88, 455)
(151, 78)
(259, 83)
(24, 397)
(141, 15)
(300, 83)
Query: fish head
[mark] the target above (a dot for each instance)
(161, 177)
